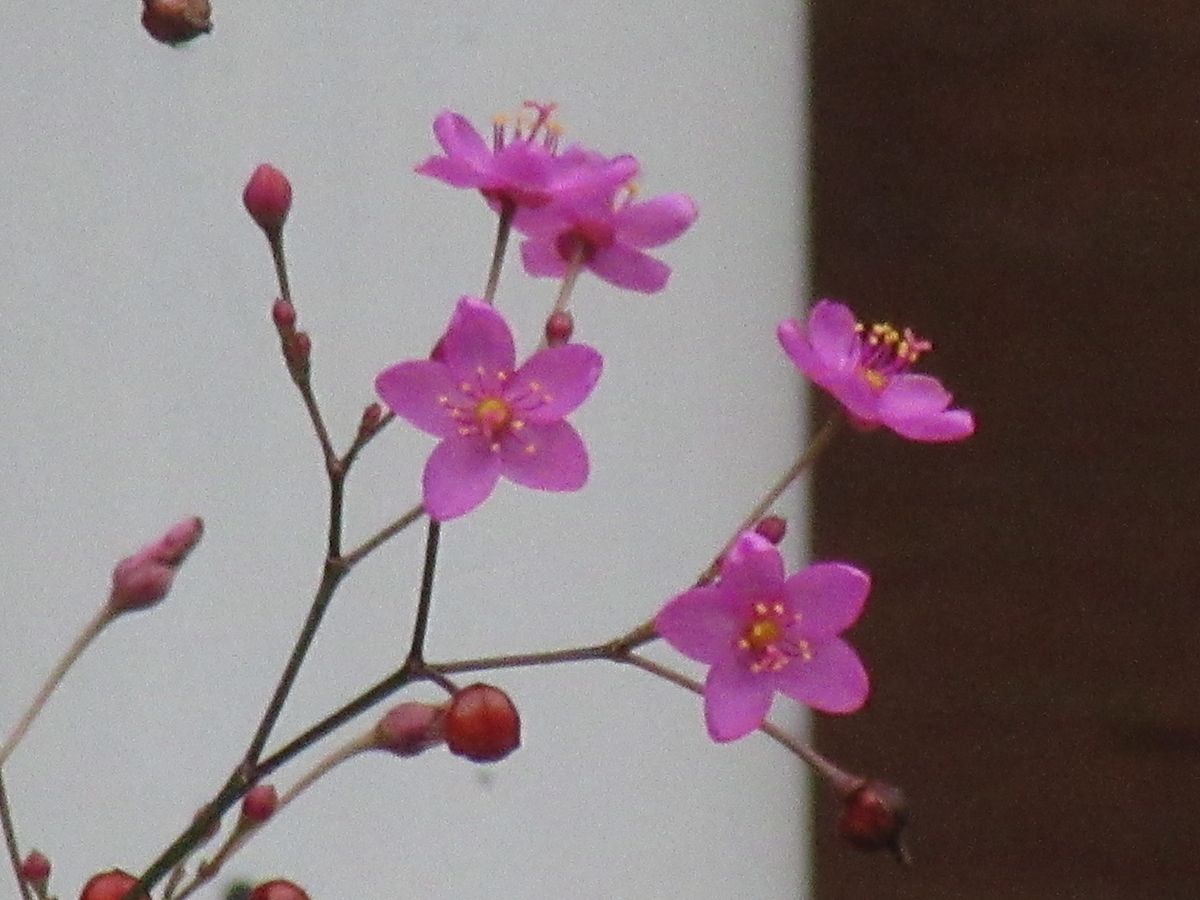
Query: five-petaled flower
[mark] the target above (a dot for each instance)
(866, 370)
(607, 235)
(523, 168)
(493, 418)
(761, 632)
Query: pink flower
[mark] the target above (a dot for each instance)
(866, 369)
(761, 633)
(607, 235)
(522, 168)
(492, 419)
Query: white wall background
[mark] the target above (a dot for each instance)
(139, 382)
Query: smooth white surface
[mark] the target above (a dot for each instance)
(139, 382)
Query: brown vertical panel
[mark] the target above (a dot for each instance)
(1020, 181)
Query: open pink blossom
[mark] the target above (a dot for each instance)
(762, 633)
(867, 371)
(607, 235)
(523, 167)
(493, 419)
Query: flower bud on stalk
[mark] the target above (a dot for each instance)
(482, 724)
(559, 328)
(298, 350)
(369, 423)
(142, 580)
(279, 889)
(35, 869)
(176, 22)
(268, 199)
(410, 728)
(259, 804)
(873, 816)
(773, 528)
(111, 885)
(283, 314)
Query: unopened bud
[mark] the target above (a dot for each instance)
(283, 314)
(773, 528)
(370, 420)
(143, 579)
(298, 350)
(559, 328)
(268, 198)
(35, 868)
(176, 21)
(111, 885)
(410, 728)
(259, 803)
(482, 724)
(278, 889)
(873, 817)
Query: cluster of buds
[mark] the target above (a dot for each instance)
(480, 723)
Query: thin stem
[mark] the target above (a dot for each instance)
(823, 767)
(385, 534)
(73, 652)
(503, 229)
(574, 267)
(523, 660)
(304, 384)
(416, 649)
(281, 275)
(10, 840)
(331, 576)
(361, 440)
(819, 442)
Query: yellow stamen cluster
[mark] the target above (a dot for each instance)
(763, 638)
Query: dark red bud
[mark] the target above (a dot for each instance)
(559, 328)
(284, 316)
(873, 817)
(773, 528)
(370, 420)
(176, 21)
(298, 349)
(409, 728)
(35, 868)
(112, 885)
(259, 803)
(278, 890)
(482, 724)
(268, 198)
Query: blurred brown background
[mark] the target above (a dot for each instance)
(1020, 181)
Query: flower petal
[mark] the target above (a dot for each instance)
(547, 456)
(460, 140)
(459, 475)
(949, 425)
(554, 382)
(752, 570)
(454, 172)
(541, 259)
(854, 392)
(794, 342)
(832, 681)
(629, 268)
(699, 625)
(828, 597)
(655, 222)
(423, 393)
(478, 343)
(735, 700)
(832, 334)
(915, 406)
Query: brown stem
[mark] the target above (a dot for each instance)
(10, 840)
(385, 534)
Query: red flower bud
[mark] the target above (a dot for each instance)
(409, 728)
(259, 803)
(143, 579)
(559, 328)
(371, 417)
(298, 350)
(482, 724)
(873, 816)
(176, 21)
(283, 314)
(773, 528)
(112, 885)
(268, 198)
(35, 868)
(278, 890)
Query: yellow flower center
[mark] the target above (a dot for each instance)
(493, 416)
(761, 634)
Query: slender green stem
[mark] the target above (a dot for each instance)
(503, 229)
(10, 840)
(416, 651)
(85, 637)
(574, 267)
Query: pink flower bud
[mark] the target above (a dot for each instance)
(371, 417)
(176, 21)
(773, 528)
(409, 728)
(278, 890)
(297, 349)
(143, 579)
(284, 316)
(259, 803)
(111, 885)
(268, 198)
(559, 328)
(873, 817)
(482, 724)
(35, 868)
